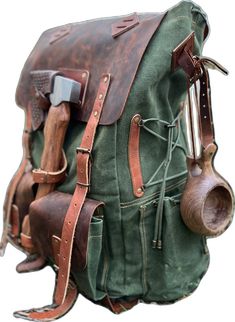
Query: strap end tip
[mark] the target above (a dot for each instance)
(2, 250)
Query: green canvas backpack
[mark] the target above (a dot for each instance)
(107, 193)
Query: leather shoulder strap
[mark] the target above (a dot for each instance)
(65, 295)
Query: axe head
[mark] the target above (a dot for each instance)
(65, 90)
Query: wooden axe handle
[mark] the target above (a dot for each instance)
(54, 134)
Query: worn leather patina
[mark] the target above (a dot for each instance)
(42, 214)
(91, 47)
(134, 170)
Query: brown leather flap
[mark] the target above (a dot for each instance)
(46, 220)
(90, 46)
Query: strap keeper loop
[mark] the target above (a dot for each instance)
(86, 185)
(83, 150)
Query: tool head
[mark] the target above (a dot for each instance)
(65, 90)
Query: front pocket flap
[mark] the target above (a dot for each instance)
(46, 219)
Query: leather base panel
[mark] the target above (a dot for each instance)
(118, 306)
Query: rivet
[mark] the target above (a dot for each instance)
(136, 119)
(100, 96)
(95, 113)
(105, 79)
(139, 190)
(83, 75)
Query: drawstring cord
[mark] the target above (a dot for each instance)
(157, 240)
(171, 145)
(175, 144)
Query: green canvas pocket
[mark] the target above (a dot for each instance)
(175, 271)
(87, 279)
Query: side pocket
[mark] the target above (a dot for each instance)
(23, 197)
(47, 217)
(175, 271)
(87, 279)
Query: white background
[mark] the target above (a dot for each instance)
(21, 23)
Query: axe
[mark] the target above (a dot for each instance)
(60, 91)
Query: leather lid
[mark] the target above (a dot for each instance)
(91, 46)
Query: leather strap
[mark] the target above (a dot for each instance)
(25, 163)
(134, 157)
(41, 176)
(65, 295)
(51, 312)
(15, 221)
(206, 119)
(83, 172)
(196, 68)
(56, 241)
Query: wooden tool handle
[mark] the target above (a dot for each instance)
(54, 134)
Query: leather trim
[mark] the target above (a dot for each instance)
(90, 46)
(62, 32)
(181, 58)
(134, 157)
(118, 306)
(124, 25)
